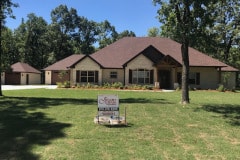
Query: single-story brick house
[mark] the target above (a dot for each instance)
(135, 60)
(21, 74)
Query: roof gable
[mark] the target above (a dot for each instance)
(23, 68)
(87, 56)
(151, 53)
(65, 63)
(168, 60)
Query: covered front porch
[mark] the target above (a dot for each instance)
(167, 71)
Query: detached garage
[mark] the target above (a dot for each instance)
(22, 74)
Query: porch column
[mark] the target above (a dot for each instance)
(155, 75)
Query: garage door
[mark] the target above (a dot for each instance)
(12, 78)
(64, 76)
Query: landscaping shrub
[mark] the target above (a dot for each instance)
(66, 84)
(106, 85)
(221, 88)
(117, 85)
(78, 85)
(59, 84)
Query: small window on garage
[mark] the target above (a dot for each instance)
(113, 75)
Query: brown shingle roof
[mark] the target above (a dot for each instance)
(23, 68)
(64, 64)
(229, 69)
(120, 52)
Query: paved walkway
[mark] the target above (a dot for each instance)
(17, 87)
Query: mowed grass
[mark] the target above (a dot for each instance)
(58, 124)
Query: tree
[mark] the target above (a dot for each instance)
(5, 9)
(220, 38)
(225, 31)
(20, 35)
(62, 29)
(107, 34)
(86, 35)
(36, 44)
(153, 32)
(10, 54)
(126, 33)
(188, 18)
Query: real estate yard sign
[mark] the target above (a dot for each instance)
(108, 105)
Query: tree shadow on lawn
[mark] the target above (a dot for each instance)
(21, 130)
(229, 112)
(42, 102)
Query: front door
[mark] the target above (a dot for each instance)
(164, 79)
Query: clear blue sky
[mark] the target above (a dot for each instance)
(135, 15)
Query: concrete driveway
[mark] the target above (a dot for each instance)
(17, 87)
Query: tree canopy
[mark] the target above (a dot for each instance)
(216, 34)
(40, 44)
(5, 10)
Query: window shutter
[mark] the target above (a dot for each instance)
(96, 76)
(77, 76)
(130, 76)
(151, 76)
(198, 78)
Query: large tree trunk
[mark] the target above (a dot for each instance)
(185, 72)
(1, 20)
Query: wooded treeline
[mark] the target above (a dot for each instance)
(40, 44)
(213, 28)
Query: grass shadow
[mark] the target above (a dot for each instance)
(119, 126)
(144, 100)
(229, 112)
(35, 102)
(43, 102)
(20, 129)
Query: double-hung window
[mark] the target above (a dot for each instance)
(113, 75)
(194, 78)
(87, 76)
(141, 76)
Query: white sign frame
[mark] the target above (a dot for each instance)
(108, 105)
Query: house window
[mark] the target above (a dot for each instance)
(194, 78)
(87, 76)
(113, 75)
(141, 76)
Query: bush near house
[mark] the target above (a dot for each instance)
(114, 85)
(65, 84)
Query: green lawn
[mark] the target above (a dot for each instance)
(58, 124)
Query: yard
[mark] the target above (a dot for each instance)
(58, 124)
